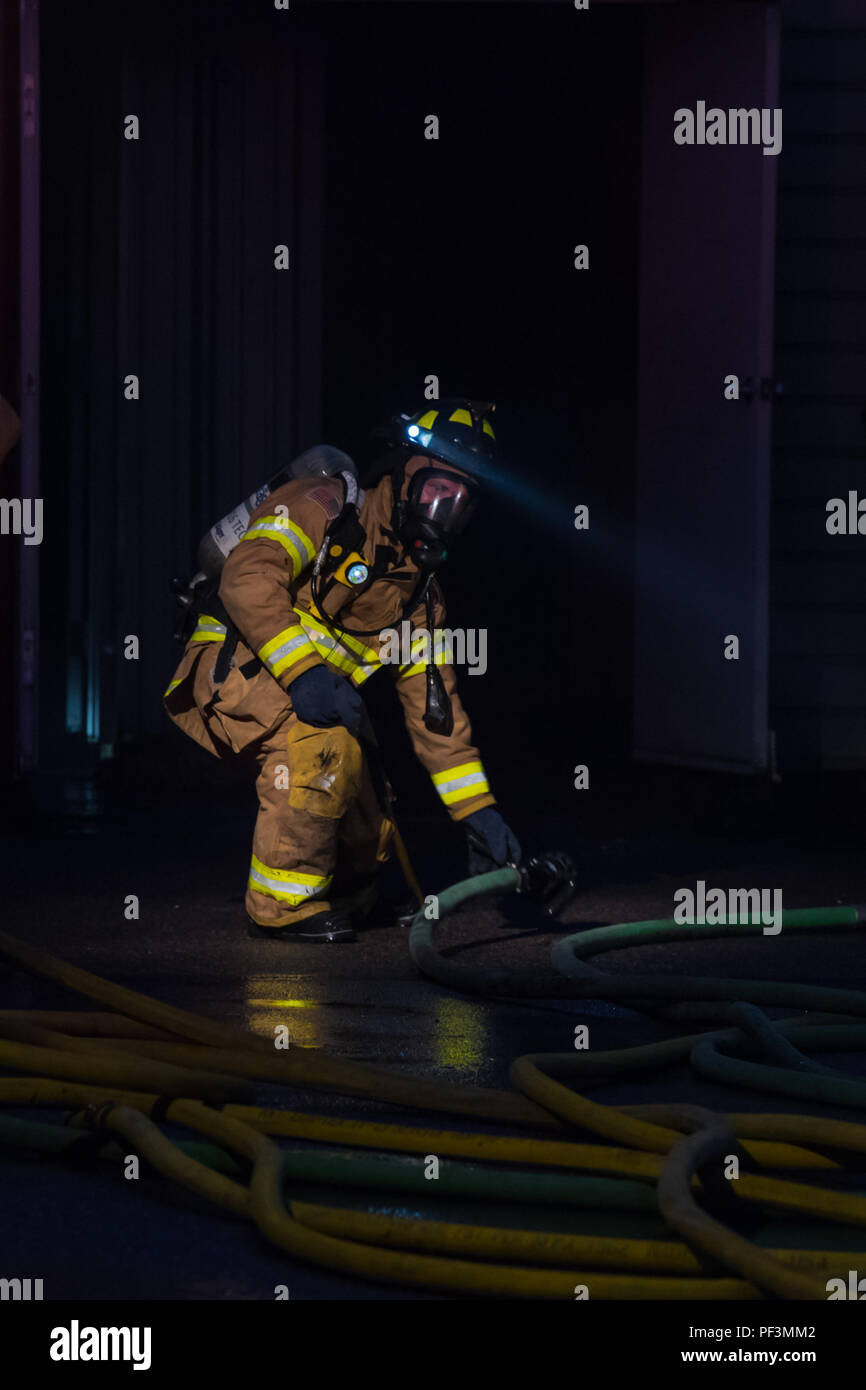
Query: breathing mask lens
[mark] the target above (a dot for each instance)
(444, 499)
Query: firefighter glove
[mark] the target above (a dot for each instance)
(324, 699)
(491, 842)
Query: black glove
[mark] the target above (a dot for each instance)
(491, 842)
(323, 699)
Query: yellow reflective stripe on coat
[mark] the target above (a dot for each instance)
(417, 670)
(294, 541)
(283, 651)
(310, 620)
(207, 629)
(332, 650)
(459, 783)
(172, 685)
(286, 885)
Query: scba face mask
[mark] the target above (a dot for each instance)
(437, 510)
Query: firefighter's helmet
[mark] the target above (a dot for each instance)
(459, 432)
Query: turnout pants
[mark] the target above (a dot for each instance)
(320, 832)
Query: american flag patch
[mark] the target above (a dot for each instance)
(326, 498)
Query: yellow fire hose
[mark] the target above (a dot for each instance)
(541, 1247)
(444, 1144)
(301, 1066)
(70, 1067)
(264, 1068)
(125, 1071)
(264, 1201)
(784, 1196)
(319, 1234)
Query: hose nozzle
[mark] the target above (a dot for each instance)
(552, 877)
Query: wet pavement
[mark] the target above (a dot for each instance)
(88, 1233)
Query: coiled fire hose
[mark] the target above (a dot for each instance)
(148, 1059)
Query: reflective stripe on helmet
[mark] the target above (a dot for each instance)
(459, 783)
(459, 432)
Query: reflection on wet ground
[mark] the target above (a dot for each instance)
(454, 1035)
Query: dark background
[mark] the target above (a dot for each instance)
(409, 257)
(439, 260)
(451, 257)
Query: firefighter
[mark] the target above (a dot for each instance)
(277, 663)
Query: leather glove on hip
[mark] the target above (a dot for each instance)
(324, 699)
(491, 842)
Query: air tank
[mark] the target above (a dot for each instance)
(322, 461)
